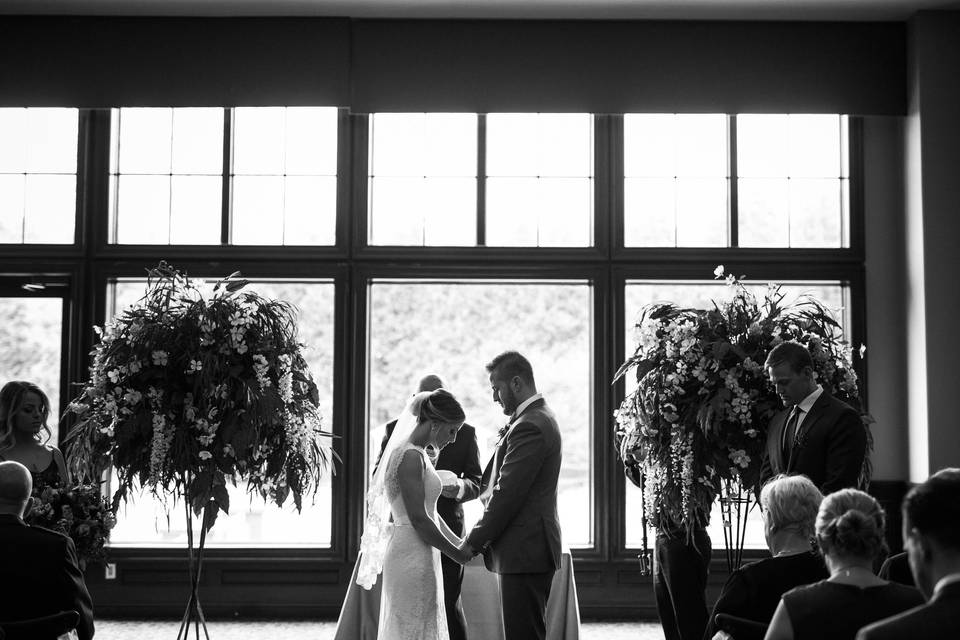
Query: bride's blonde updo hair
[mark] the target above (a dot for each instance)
(851, 523)
(441, 406)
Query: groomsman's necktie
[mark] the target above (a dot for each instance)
(790, 434)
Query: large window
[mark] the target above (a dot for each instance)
(427, 184)
(38, 176)
(453, 328)
(143, 522)
(168, 168)
(31, 330)
(790, 187)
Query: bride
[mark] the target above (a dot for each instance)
(403, 536)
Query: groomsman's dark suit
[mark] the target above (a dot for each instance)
(829, 447)
(519, 532)
(40, 575)
(939, 619)
(462, 457)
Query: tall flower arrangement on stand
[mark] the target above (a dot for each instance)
(190, 391)
(694, 429)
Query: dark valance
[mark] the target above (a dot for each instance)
(455, 65)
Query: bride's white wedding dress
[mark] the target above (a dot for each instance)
(411, 604)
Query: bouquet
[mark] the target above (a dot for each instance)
(80, 512)
(189, 391)
(696, 422)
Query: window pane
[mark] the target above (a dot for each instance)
(764, 205)
(675, 172)
(793, 180)
(453, 329)
(195, 209)
(257, 205)
(197, 141)
(258, 140)
(284, 176)
(11, 208)
(50, 205)
(52, 140)
(31, 330)
(310, 210)
(539, 189)
(145, 140)
(143, 210)
(169, 164)
(251, 522)
(700, 294)
(422, 182)
(38, 175)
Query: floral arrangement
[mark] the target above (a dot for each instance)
(80, 512)
(697, 421)
(189, 391)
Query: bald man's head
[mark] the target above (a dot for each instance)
(430, 382)
(15, 487)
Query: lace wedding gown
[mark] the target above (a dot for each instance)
(411, 601)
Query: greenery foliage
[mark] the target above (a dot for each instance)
(190, 390)
(698, 417)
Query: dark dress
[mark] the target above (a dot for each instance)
(754, 590)
(834, 611)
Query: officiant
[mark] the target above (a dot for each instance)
(461, 460)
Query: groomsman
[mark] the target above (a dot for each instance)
(519, 532)
(462, 458)
(815, 435)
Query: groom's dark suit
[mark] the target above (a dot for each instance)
(519, 532)
(829, 447)
(462, 457)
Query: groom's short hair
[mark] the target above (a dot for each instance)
(511, 363)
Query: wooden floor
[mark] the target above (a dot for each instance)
(313, 630)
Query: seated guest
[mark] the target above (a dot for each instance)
(931, 534)
(40, 575)
(850, 529)
(896, 568)
(790, 505)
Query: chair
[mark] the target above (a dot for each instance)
(46, 628)
(740, 628)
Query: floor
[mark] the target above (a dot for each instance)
(294, 630)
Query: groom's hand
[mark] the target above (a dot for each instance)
(466, 552)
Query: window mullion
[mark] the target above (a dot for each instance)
(734, 231)
(481, 179)
(227, 182)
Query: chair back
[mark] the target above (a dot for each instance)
(740, 628)
(46, 628)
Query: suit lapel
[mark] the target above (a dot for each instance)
(774, 441)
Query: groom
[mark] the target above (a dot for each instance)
(519, 532)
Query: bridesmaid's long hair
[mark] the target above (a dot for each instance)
(11, 400)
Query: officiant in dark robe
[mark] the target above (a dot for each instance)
(462, 458)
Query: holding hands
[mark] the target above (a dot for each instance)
(465, 552)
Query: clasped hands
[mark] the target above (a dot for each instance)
(465, 552)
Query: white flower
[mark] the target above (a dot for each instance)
(718, 272)
(195, 365)
(740, 457)
(205, 455)
(159, 358)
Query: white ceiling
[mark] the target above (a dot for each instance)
(868, 10)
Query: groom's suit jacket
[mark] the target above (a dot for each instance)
(939, 619)
(829, 447)
(519, 531)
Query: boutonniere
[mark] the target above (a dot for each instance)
(800, 441)
(503, 432)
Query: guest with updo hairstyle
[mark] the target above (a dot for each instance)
(850, 532)
(24, 410)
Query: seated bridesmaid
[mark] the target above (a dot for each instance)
(24, 409)
(850, 528)
(789, 507)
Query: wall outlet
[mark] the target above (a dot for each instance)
(110, 571)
